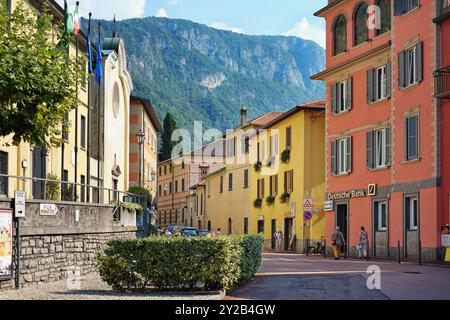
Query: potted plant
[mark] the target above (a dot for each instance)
(270, 200)
(258, 166)
(286, 155)
(257, 203)
(285, 197)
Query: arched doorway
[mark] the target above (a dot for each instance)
(209, 226)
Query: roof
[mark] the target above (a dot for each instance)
(148, 107)
(265, 118)
(330, 5)
(316, 105)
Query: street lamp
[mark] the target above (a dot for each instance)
(140, 139)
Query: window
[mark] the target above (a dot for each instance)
(360, 21)
(83, 132)
(380, 215)
(231, 147)
(274, 145)
(379, 83)
(176, 186)
(274, 186)
(260, 226)
(3, 170)
(410, 66)
(246, 178)
(165, 170)
(83, 189)
(246, 145)
(160, 190)
(245, 225)
(288, 137)
(170, 168)
(341, 156)
(341, 96)
(160, 171)
(289, 181)
(221, 184)
(183, 165)
(404, 6)
(385, 16)
(379, 148)
(412, 138)
(412, 213)
(230, 182)
(183, 185)
(170, 187)
(261, 151)
(340, 35)
(260, 188)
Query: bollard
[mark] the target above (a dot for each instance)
(420, 252)
(368, 251)
(398, 252)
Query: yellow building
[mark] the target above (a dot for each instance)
(228, 198)
(290, 155)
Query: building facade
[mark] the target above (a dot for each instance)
(383, 126)
(290, 171)
(143, 118)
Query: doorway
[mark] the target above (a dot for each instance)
(274, 229)
(39, 171)
(412, 227)
(342, 222)
(289, 235)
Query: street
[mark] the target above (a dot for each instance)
(296, 277)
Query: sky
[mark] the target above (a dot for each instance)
(254, 17)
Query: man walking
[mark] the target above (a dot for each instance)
(337, 238)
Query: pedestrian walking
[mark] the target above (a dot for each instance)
(337, 238)
(278, 240)
(362, 245)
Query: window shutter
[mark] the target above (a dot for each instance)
(375, 216)
(258, 189)
(262, 188)
(388, 79)
(369, 148)
(292, 181)
(419, 61)
(334, 98)
(370, 85)
(288, 137)
(349, 85)
(276, 184)
(333, 157)
(349, 154)
(399, 7)
(388, 146)
(401, 69)
(285, 181)
(407, 213)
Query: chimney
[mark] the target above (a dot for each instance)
(244, 113)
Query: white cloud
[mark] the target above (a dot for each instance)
(174, 2)
(106, 9)
(305, 30)
(161, 13)
(224, 26)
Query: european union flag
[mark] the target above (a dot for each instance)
(99, 70)
(89, 48)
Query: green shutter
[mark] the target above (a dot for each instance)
(388, 146)
(419, 61)
(401, 69)
(333, 157)
(369, 150)
(334, 98)
(349, 88)
(348, 157)
(370, 86)
(388, 79)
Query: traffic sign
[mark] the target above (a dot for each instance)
(19, 204)
(307, 203)
(308, 215)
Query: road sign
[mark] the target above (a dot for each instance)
(329, 206)
(307, 203)
(48, 210)
(308, 215)
(19, 204)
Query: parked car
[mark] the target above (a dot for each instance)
(189, 232)
(172, 229)
(205, 233)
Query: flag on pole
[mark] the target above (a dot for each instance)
(89, 46)
(68, 27)
(76, 20)
(98, 70)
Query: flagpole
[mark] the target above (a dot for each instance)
(88, 153)
(76, 111)
(63, 186)
(98, 119)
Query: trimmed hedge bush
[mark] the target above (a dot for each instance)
(180, 263)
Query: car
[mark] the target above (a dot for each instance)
(189, 232)
(205, 233)
(171, 229)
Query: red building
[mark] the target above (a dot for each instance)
(385, 128)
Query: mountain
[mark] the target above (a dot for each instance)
(204, 74)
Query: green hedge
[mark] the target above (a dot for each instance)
(180, 263)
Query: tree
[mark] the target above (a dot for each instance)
(38, 80)
(167, 144)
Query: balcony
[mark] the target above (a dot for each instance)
(444, 11)
(442, 83)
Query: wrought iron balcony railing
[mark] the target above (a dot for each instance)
(442, 83)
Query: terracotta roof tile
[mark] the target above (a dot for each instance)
(266, 118)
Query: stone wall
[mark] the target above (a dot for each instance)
(54, 247)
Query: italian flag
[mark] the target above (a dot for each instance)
(76, 21)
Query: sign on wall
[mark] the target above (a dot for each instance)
(329, 206)
(19, 204)
(6, 244)
(307, 204)
(48, 210)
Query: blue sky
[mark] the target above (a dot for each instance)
(269, 17)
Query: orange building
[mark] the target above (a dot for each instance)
(143, 118)
(383, 126)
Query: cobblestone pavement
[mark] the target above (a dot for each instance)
(92, 288)
(296, 277)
